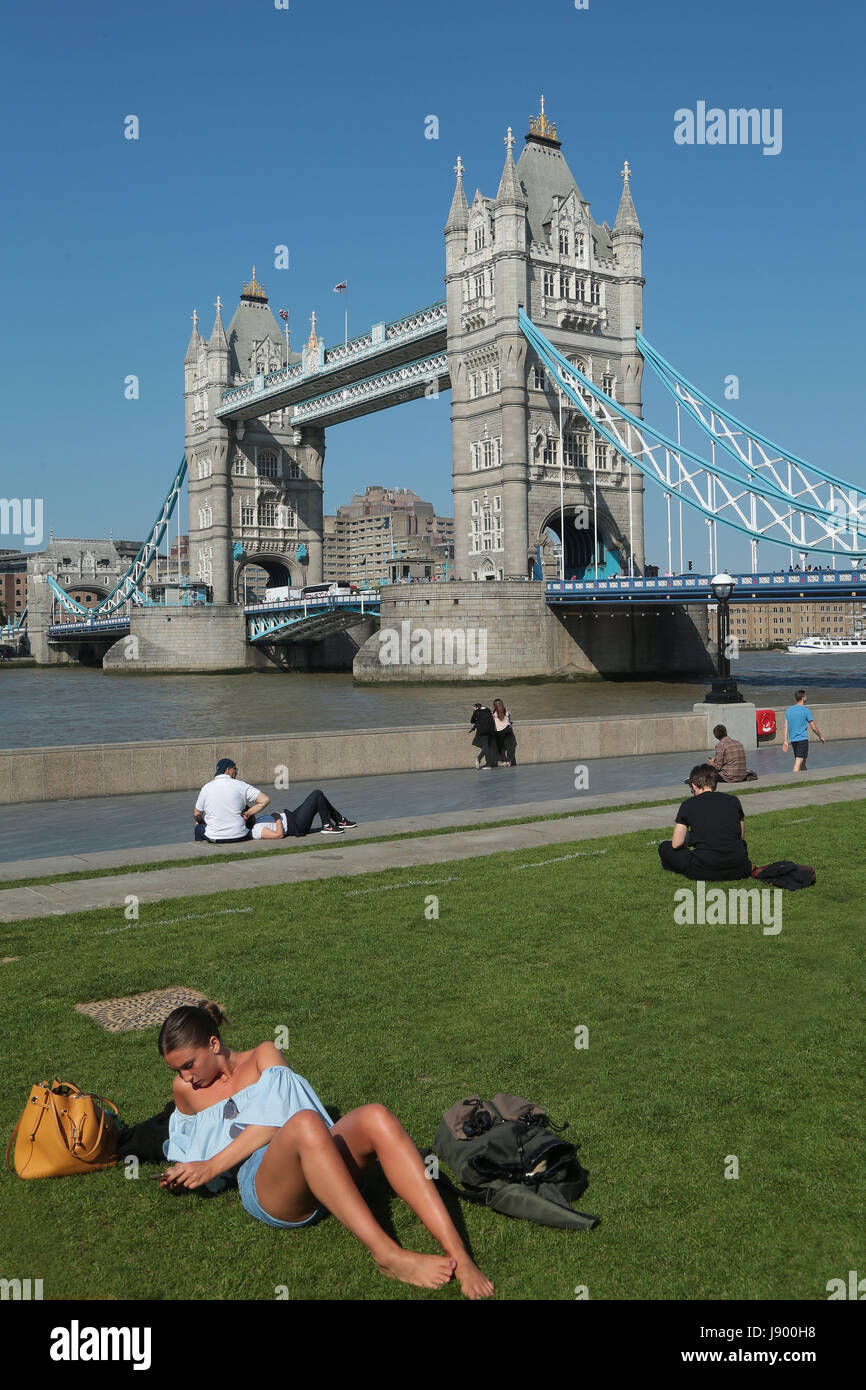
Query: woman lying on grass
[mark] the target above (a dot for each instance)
(248, 1111)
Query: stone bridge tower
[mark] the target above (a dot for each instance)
(535, 245)
(255, 487)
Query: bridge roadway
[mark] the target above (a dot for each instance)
(382, 805)
(307, 617)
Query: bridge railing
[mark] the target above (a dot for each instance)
(746, 586)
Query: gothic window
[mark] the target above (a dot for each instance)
(240, 466)
(497, 504)
(292, 469)
(205, 515)
(579, 244)
(490, 280)
(567, 282)
(539, 377)
(607, 384)
(486, 453)
(563, 241)
(267, 514)
(601, 458)
(288, 516)
(479, 237)
(596, 291)
(475, 505)
(204, 467)
(550, 282)
(266, 464)
(248, 514)
(479, 286)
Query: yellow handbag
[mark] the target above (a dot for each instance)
(63, 1130)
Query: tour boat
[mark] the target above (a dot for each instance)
(844, 645)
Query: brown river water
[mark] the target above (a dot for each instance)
(63, 705)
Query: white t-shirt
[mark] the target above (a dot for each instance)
(269, 825)
(221, 803)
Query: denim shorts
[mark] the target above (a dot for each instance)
(250, 1201)
(801, 748)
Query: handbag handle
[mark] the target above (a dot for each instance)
(86, 1154)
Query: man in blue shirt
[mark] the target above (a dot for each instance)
(798, 721)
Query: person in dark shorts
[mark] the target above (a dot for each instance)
(708, 840)
(798, 721)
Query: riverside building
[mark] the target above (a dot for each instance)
(386, 536)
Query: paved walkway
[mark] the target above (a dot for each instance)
(342, 858)
(57, 829)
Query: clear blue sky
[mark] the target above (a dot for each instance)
(306, 126)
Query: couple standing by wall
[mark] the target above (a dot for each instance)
(494, 736)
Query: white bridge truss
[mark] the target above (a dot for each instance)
(767, 494)
(128, 588)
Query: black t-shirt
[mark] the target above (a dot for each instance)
(714, 820)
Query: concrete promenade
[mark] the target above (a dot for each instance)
(69, 836)
(314, 759)
(342, 857)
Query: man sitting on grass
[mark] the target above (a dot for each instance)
(708, 841)
(224, 804)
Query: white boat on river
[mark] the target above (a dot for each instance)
(812, 646)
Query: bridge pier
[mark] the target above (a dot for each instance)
(466, 632)
(213, 638)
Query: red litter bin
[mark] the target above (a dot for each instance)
(766, 721)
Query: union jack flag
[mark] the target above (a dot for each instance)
(284, 314)
(343, 285)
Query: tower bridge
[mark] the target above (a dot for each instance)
(540, 342)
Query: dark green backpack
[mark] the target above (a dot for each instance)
(507, 1157)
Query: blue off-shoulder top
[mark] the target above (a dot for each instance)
(278, 1094)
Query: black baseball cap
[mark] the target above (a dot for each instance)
(224, 764)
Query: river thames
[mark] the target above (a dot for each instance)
(62, 705)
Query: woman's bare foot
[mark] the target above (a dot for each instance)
(473, 1283)
(425, 1271)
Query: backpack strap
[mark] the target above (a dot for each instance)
(478, 1199)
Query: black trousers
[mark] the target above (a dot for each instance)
(684, 861)
(507, 745)
(316, 804)
(488, 747)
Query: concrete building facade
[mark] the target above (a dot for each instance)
(386, 535)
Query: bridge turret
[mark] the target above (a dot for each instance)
(218, 350)
(626, 239)
(511, 273)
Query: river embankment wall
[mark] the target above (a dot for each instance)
(117, 769)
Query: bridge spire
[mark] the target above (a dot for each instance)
(218, 337)
(509, 185)
(626, 217)
(194, 341)
(458, 217)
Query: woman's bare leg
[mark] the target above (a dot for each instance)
(303, 1165)
(372, 1130)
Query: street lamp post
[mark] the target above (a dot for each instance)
(724, 690)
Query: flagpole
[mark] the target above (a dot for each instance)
(346, 306)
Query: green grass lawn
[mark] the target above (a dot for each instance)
(704, 1042)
